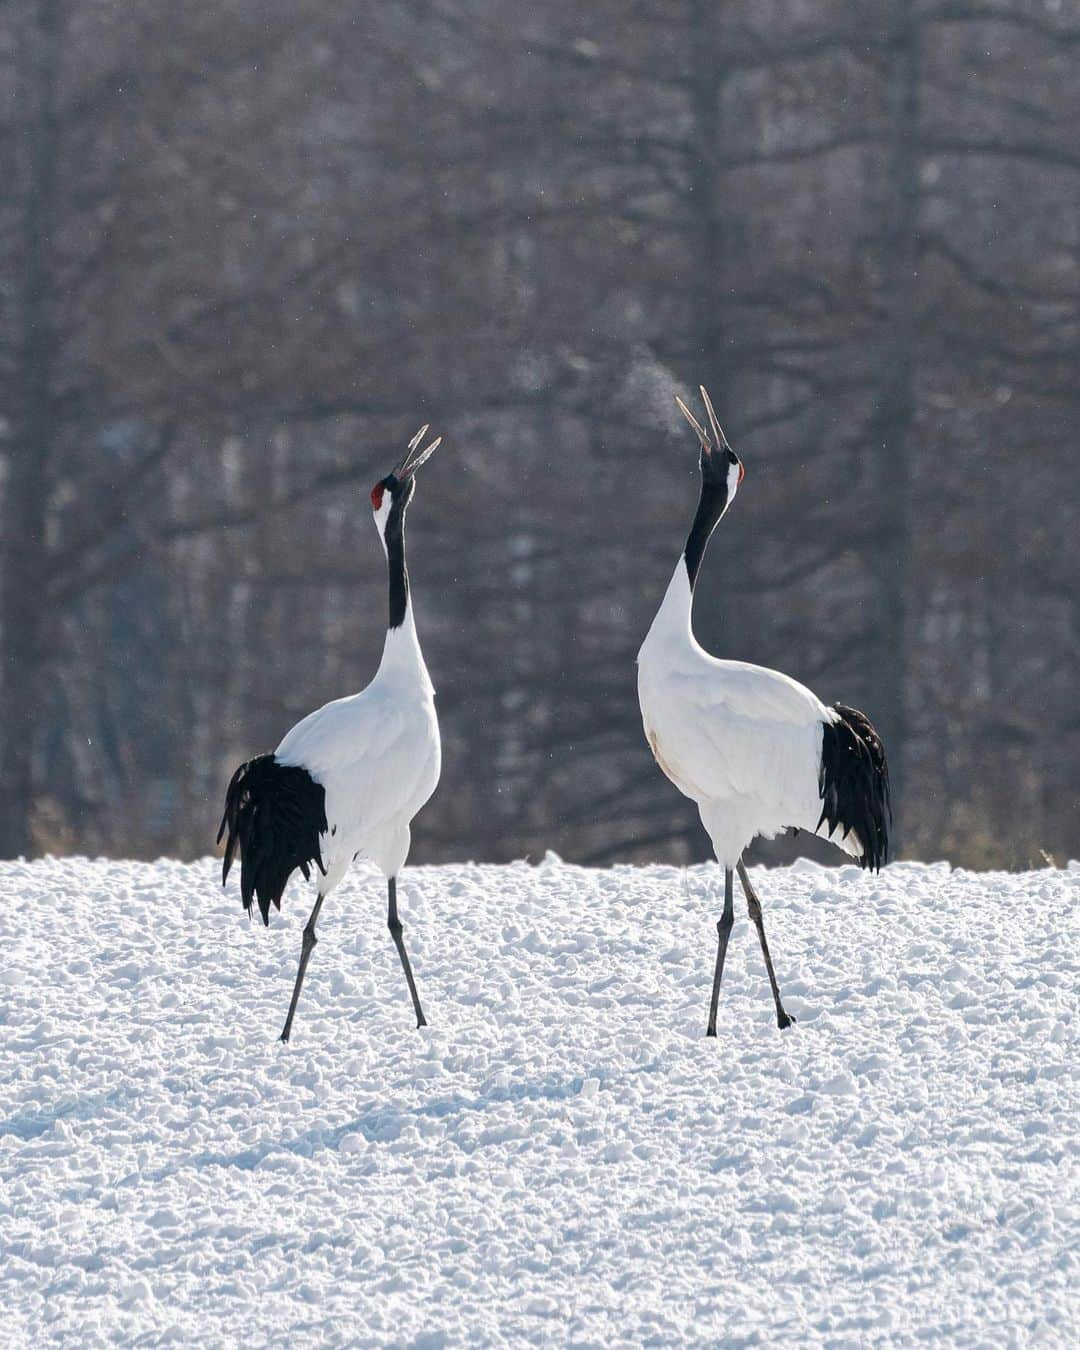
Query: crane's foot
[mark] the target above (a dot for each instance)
(785, 1020)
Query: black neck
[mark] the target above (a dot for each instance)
(395, 560)
(710, 509)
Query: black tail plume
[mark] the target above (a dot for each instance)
(854, 784)
(274, 814)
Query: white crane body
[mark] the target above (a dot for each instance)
(377, 754)
(758, 752)
(348, 779)
(742, 741)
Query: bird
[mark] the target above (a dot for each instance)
(348, 779)
(756, 750)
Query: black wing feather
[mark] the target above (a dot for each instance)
(274, 815)
(854, 784)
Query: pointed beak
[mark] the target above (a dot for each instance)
(703, 435)
(721, 439)
(413, 457)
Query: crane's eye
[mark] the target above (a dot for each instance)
(377, 496)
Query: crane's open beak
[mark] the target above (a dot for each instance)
(703, 435)
(413, 459)
(721, 439)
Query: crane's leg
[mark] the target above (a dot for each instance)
(394, 924)
(723, 931)
(753, 908)
(307, 947)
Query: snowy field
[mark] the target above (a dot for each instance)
(561, 1157)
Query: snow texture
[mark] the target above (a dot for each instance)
(562, 1156)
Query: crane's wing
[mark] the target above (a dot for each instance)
(339, 732)
(758, 734)
(373, 753)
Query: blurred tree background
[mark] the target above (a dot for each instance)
(246, 249)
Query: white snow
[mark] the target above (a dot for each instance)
(562, 1156)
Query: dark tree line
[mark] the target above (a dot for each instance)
(245, 250)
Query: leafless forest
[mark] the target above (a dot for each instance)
(247, 248)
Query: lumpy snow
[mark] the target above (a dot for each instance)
(561, 1156)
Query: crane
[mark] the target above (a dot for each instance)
(348, 779)
(758, 752)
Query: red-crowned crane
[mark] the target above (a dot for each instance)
(348, 779)
(756, 750)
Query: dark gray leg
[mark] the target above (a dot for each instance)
(723, 931)
(394, 924)
(753, 908)
(306, 949)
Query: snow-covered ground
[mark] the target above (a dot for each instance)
(562, 1156)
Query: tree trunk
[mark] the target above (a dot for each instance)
(710, 283)
(23, 573)
(896, 398)
(706, 85)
